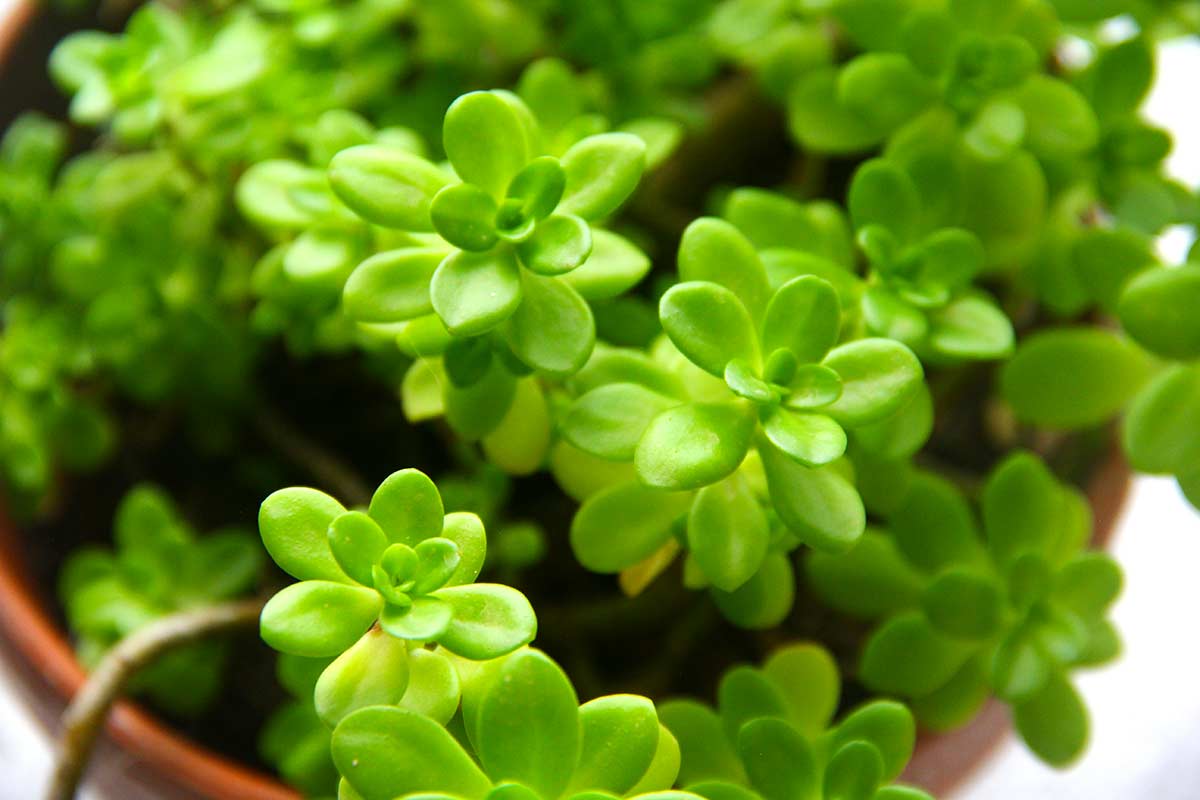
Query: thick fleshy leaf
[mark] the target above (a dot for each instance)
(520, 443)
(559, 244)
(885, 89)
(609, 421)
(808, 680)
(853, 772)
(621, 525)
(392, 286)
(1158, 310)
(883, 194)
(780, 762)
(486, 140)
(971, 327)
(489, 621)
(539, 186)
(466, 531)
(878, 377)
(886, 725)
(713, 250)
(387, 185)
(763, 601)
(817, 504)
(318, 618)
(386, 753)
(693, 445)
(373, 672)
(422, 621)
(709, 325)
(1089, 584)
(433, 685)
(614, 266)
(907, 657)
(1025, 508)
(408, 507)
(871, 580)
(813, 386)
(745, 694)
(477, 410)
(293, 523)
(935, 527)
(357, 542)
(821, 123)
(728, 533)
(1161, 434)
(902, 434)
(465, 216)
(527, 726)
(805, 317)
(601, 171)
(1053, 722)
(1059, 123)
(705, 751)
(620, 737)
(664, 766)
(475, 292)
(964, 604)
(811, 439)
(552, 330)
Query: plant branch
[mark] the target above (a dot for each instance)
(326, 468)
(84, 718)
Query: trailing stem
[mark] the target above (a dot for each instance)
(84, 718)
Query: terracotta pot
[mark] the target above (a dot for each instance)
(147, 760)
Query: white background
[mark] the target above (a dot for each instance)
(1145, 708)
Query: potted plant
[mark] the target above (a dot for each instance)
(714, 354)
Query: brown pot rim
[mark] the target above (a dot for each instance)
(940, 761)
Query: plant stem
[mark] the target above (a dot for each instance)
(329, 470)
(84, 718)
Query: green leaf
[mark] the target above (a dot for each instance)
(373, 672)
(1104, 261)
(1121, 77)
(957, 702)
(805, 317)
(392, 286)
(489, 621)
(871, 580)
(902, 434)
(437, 560)
(623, 524)
(1070, 378)
(466, 531)
(853, 772)
(486, 140)
(709, 325)
(1157, 309)
(934, 527)
(664, 766)
(1088, 584)
(608, 421)
(357, 542)
(293, 523)
(821, 123)
(971, 327)
(386, 185)
(780, 762)
(885, 724)
(1059, 121)
(1053, 722)
(740, 377)
(1025, 508)
(728, 533)
(713, 250)
(807, 677)
(1160, 434)
(264, 194)
(878, 377)
(693, 445)
(423, 621)
(811, 439)
(477, 410)
(520, 443)
(763, 601)
(433, 685)
(408, 507)
(601, 171)
(964, 604)
(620, 737)
(527, 727)
(882, 194)
(552, 331)
(539, 186)
(614, 266)
(907, 657)
(559, 244)
(746, 694)
(318, 618)
(465, 216)
(475, 292)
(705, 751)
(884, 89)
(817, 504)
(387, 752)
(813, 386)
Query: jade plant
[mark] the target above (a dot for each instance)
(736, 321)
